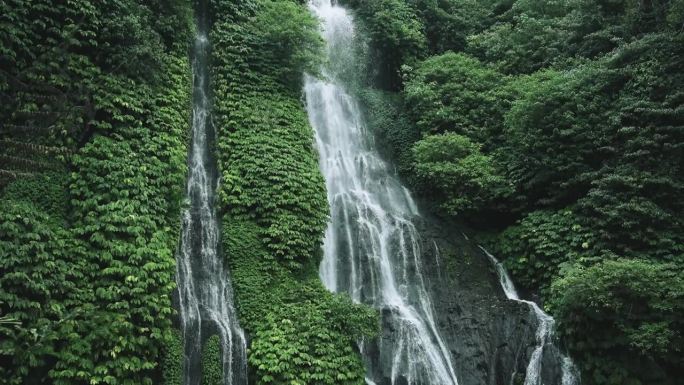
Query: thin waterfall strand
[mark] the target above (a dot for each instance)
(372, 249)
(544, 335)
(204, 286)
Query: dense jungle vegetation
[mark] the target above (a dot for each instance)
(273, 198)
(94, 128)
(552, 128)
(95, 118)
(555, 130)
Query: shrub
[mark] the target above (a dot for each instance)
(621, 319)
(538, 245)
(457, 173)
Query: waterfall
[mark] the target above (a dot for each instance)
(204, 286)
(371, 249)
(544, 335)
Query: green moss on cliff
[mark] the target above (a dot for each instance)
(273, 198)
(102, 89)
(300, 331)
(171, 360)
(265, 154)
(212, 364)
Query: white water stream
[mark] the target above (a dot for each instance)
(544, 335)
(371, 250)
(204, 286)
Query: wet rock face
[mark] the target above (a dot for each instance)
(490, 337)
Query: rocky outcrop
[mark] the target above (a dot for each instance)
(490, 337)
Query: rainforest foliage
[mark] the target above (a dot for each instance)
(94, 121)
(557, 128)
(95, 116)
(273, 199)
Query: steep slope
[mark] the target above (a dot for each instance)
(205, 293)
(98, 94)
(272, 197)
(444, 318)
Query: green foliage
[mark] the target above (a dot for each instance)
(298, 345)
(622, 318)
(633, 212)
(537, 34)
(530, 41)
(125, 200)
(558, 133)
(38, 290)
(452, 168)
(131, 46)
(288, 39)
(265, 152)
(281, 187)
(102, 88)
(541, 243)
(57, 57)
(173, 20)
(47, 191)
(448, 23)
(300, 331)
(251, 269)
(396, 37)
(632, 204)
(456, 93)
(212, 362)
(172, 358)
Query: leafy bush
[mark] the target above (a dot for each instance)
(526, 44)
(456, 93)
(452, 168)
(538, 246)
(448, 23)
(533, 35)
(172, 358)
(621, 319)
(212, 362)
(633, 213)
(559, 134)
(633, 203)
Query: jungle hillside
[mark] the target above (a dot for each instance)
(550, 132)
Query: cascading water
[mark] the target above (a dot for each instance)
(204, 287)
(371, 247)
(544, 335)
